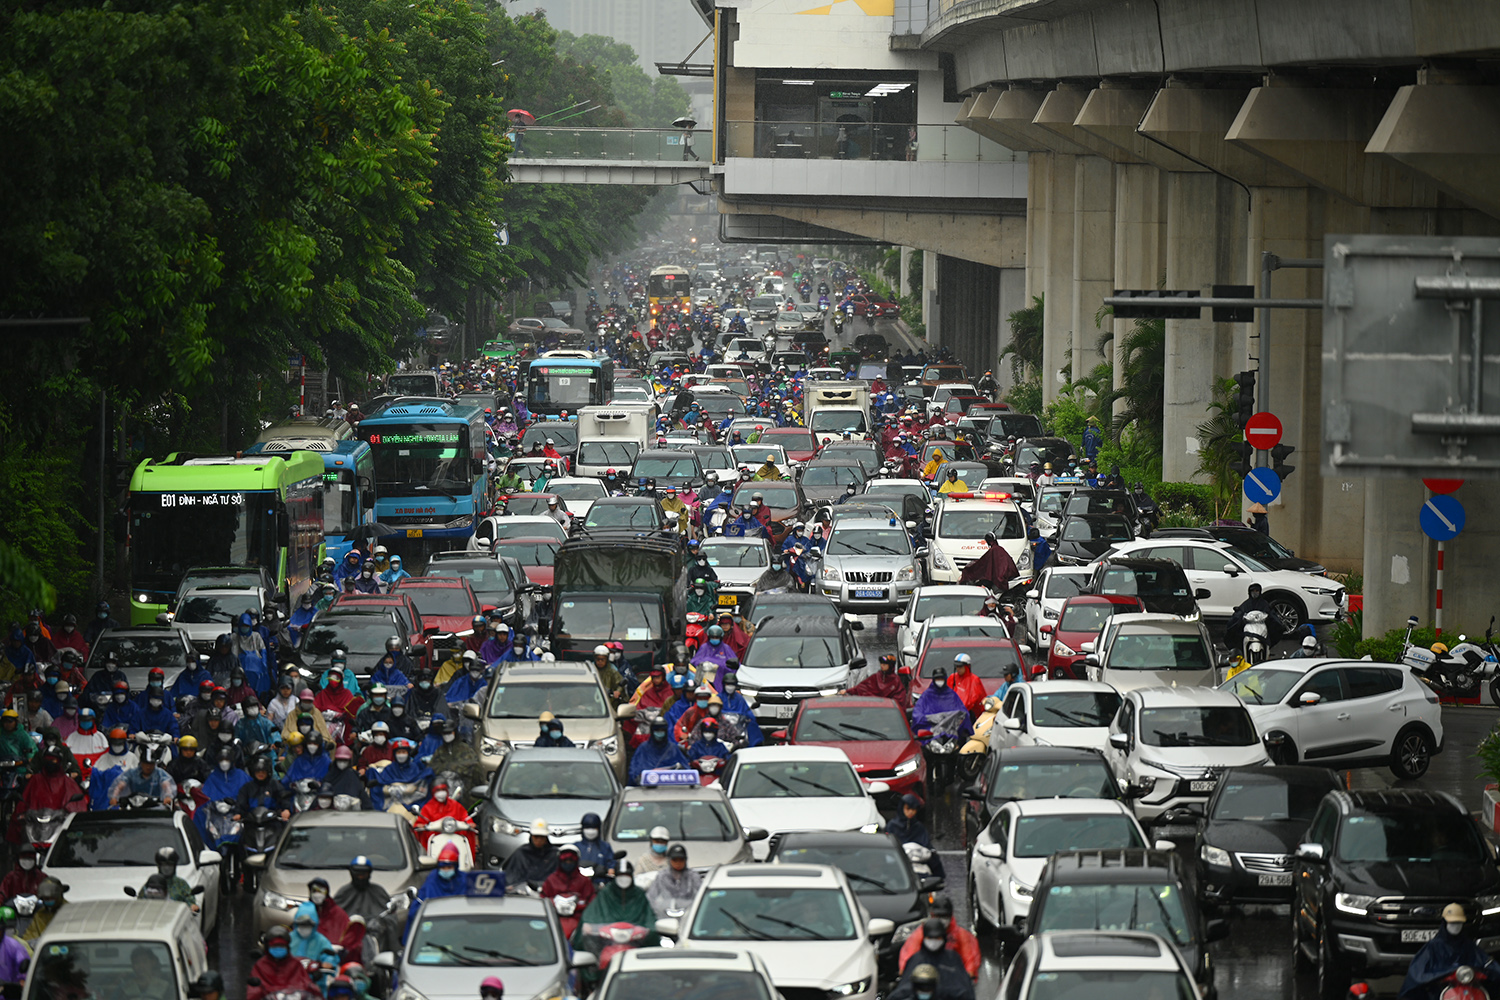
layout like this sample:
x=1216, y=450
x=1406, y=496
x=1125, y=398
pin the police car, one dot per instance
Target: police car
x=958, y=529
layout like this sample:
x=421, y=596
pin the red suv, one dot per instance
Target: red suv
x=446, y=603
x=874, y=304
x=1079, y=621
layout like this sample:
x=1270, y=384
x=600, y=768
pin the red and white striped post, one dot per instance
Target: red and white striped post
x=302, y=389
x=1437, y=617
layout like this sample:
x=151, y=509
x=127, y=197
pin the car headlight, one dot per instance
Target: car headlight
x=907, y=766
x=1025, y=561
x=460, y=522
x=828, y=692
x=849, y=989
x=1488, y=905
x=905, y=931
x=831, y=574
x=939, y=560
x=1214, y=855
x=1323, y=591
x=1019, y=890
x=610, y=745
x=407, y=993
x=1351, y=902
x=500, y=824
x=1049, y=612
x=906, y=573
x=1062, y=649
x=494, y=748
x=276, y=901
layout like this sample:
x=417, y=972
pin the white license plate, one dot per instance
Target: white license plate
x=869, y=593
x=782, y=711
x=1418, y=936
x=1200, y=786
x=1285, y=878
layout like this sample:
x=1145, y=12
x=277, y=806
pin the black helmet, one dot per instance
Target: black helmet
x=277, y=932
x=207, y=982
x=676, y=852
x=393, y=644
x=924, y=974
x=167, y=856
x=260, y=763
x=624, y=867
x=934, y=927
x=940, y=907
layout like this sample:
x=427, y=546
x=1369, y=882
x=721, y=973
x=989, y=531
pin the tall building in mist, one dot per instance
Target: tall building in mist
x=658, y=30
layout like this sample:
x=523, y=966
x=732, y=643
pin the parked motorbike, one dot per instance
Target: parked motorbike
x=1456, y=673
x=941, y=741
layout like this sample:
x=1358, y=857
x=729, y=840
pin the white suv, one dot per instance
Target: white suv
x=1098, y=963
x=958, y=530
x=1343, y=713
x=1226, y=573
x=1178, y=741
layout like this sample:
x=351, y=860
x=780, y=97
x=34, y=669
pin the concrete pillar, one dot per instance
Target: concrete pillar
x=903, y=283
x=1012, y=298
x=1205, y=245
x=1140, y=240
x=1038, y=169
x=1057, y=316
x=930, y=308
x=970, y=297
x=1093, y=255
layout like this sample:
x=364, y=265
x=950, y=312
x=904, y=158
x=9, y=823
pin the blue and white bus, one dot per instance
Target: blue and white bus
x=429, y=460
x=555, y=384
x=348, y=485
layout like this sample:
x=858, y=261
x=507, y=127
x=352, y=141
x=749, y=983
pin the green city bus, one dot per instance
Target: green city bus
x=250, y=510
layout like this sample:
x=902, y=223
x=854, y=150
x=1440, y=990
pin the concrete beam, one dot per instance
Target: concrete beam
x=976, y=115
x=1016, y=110
x=1448, y=133
x=1193, y=120
x=998, y=240
x=1320, y=134
x=1111, y=113
x=1058, y=112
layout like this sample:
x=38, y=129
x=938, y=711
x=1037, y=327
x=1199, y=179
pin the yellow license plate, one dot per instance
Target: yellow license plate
x=413, y=532
x=728, y=599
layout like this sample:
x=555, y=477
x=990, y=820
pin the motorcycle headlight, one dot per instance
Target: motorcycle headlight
x=832, y=575
x=1019, y=889
x=908, y=766
x=1214, y=855
x=906, y=573
x=1062, y=649
x=1354, y=903
x=850, y=989
x=1488, y=905
x=276, y=901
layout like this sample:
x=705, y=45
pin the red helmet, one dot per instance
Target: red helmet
x=449, y=853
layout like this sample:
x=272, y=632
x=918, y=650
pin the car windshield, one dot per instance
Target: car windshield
x=1194, y=726
x=590, y=489
x=1052, y=501
x=1096, y=502
x=526, y=553
x=126, y=841
x=759, y=454
x=1247, y=542
x=833, y=475
x=976, y=522
x=614, y=515
x=685, y=819
x=564, y=437
x=1163, y=589
x=650, y=467
x=1411, y=835
x=1090, y=617
x=204, y=609
x=567, y=701
x=1158, y=651
x=874, y=870
x=987, y=660
x=721, y=984
x=869, y=542
x=508, y=528
x=775, y=495
x=104, y=967
x=1081, y=779
x=140, y=651
x=852, y=723
x=773, y=914
x=736, y=556
x=1044, y=836
x=442, y=601
x=778, y=779
x=939, y=603
x=523, y=504
x=480, y=938
x=1097, y=529
x=1255, y=799
x=1152, y=908
x=798, y=440
x=1074, y=709
x=838, y=420
x=994, y=630
x=351, y=633
x=309, y=846
x=714, y=458
x=1262, y=685
x=785, y=651
x=1061, y=586
x=582, y=775
x=628, y=618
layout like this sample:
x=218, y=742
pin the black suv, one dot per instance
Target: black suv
x=1161, y=584
x=1128, y=889
x=1373, y=876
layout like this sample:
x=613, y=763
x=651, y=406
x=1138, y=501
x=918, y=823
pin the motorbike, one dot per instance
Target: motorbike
x=258, y=836
x=838, y=321
x=940, y=745
x=42, y=827
x=971, y=755
x=304, y=793
x=709, y=769
x=612, y=939
x=223, y=835
x=1255, y=637
x=569, y=911
x=1457, y=673
x=920, y=858
x=697, y=624
x=12, y=783
x=449, y=830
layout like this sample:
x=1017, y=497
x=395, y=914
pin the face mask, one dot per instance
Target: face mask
x=702, y=702
x=402, y=757
x=447, y=872
x=449, y=737
x=378, y=700
x=304, y=931
x=939, y=684
x=119, y=699
x=568, y=865
x=304, y=726
x=27, y=864
x=318, y=896
x=118, y=749
x=925, y=995
x=243, y=630
x=398, y=710
x=335, y=681
x=277, y=951
x=314, y=749
x=225, y=736
x=658, y=736
x=380, y=739
x=590, y=833
x=730, y=688
x=658, y=848
x=699, y=591
x=154, y=702
x=624, y=881
x=325, y=802
x=252, y=711
x=1454, y=928
x=933, y=944
x=424, y=685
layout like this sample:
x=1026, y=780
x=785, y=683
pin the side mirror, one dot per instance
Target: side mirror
x=924, y=551
x=880, y=927
x=990, y=851
x=898, y=620
x=669, y=927
x=973, y=793
x=877, y=788
x=776, y=735
x=198, y=890
x=755, y=833
x=426, y=862
x=1231, y=570
x=1023, y=647
x=386, y=960
x=1045, y=630
x=129, y=891
x=1033, y=595
x=1091, y=660
x=626, y=711
x=1309, y=698
x=1012, y=725
x=210, y=858
x=1312, y=853
x=1120, y=741
x=1089, y=647
x=471, y=710
x=1164, y=845
x=1201, y=594
x=587, y=959
x=418, y=650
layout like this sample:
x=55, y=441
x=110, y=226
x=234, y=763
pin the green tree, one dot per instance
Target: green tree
x=1215, y=435
x=645, y=102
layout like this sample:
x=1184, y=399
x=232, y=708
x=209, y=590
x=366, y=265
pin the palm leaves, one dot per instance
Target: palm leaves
x=1025, y=347
x=1215, y=435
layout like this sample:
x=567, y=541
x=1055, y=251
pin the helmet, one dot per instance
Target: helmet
x=393, y=644
x=167, y=856
x=492, y=984
x=1439, y=648
x=1454, y=913
x=676, y=852
x=926, y=974
x=360, y=863
x=448, y=855
x=601, y=650
x=963, y=660
x=1309, y=642
x=187, y=743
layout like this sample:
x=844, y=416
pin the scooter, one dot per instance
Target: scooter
x=697, y=624
x=449, y=830
x=940, y=745
x=709, y=769
x=1255, y=637
x=224, y=836
x=615, y=938
x=569, y=911
x=258, y=836
x=971, y=756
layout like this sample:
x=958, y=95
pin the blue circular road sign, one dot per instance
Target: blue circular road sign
x=1442, y=518
x=1262, y=485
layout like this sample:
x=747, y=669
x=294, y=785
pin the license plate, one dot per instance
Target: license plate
x=1285, y=878
x=869, y=593
x=1418, y=936
x=730, y=599
x=782, y=711
x=1200, y=786
x=413, y=532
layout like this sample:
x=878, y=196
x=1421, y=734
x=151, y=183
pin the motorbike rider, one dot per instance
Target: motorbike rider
x=310, y=945
x=1444, y=952
x=908, y=829
x=262, y=790
x=458, y=756
x=534, y=860
x=177, y=887
x=361, y=896
x=939, y=697
x=604, y=666
x=551, y=732
x=926, y=982
x=885, y=683
x=713, y=653
x=146, y=778
x=1308, y=648
x=675, y=885
x=278, y=970
x=934, y=949
x=706, y=743
x=567, y=880
x=25, y=877
x=656, y=753
x=343, y=779
x=702, y=599
x=1234, y=632
x=187, y=764
x=402, y=769
x=619, y=900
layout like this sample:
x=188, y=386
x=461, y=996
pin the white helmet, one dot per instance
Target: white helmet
x=1309, y=642
x=601, y=650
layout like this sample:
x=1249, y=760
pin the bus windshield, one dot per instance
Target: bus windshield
x=668, y=284
x=172, y=532
x=417, y=459
x=563, y=387
x=339, y=512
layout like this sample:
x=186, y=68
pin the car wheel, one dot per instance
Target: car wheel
x=1333, y=969
x=1300, y=961
x=1283, y=751
x=1412, y=753
x=1288, y=610
x=976, y=915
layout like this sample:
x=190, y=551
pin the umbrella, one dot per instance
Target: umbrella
x=373, y=530
x=520, y=116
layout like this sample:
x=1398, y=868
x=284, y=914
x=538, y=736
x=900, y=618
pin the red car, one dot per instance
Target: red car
x=447, y=603
x=873, y=732
x=1079, y=621
x=864, y=303
x=799, y=443
x=990, y=656
x=957, y=407
x=536, y=556
x=987, y=407
x=400, y=603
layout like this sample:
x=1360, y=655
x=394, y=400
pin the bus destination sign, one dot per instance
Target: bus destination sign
x=202, y=500
x=416, y=437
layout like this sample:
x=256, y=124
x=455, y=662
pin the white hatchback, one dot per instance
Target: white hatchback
x=784, y=788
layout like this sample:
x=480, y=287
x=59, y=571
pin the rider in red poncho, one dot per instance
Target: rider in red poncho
x=278, y=969
x=439, y=807
x=568, y=880
x=886, y=683
x=995, y=569
x=51, y=788
x=335, y=697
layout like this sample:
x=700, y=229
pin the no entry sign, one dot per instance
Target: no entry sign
x=1263, y=431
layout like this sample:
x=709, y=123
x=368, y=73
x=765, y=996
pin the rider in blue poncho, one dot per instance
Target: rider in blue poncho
x=657, y=752
x=937, y=699
x=402, y=769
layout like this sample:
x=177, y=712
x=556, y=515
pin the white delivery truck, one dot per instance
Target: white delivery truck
x=831, y=408
x=611, y=435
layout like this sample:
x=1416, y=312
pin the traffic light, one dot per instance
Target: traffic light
x=1278, y=460
x=1245, y=400
x=1242, y=449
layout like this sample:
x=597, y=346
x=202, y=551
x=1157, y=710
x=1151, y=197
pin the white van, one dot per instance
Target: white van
x=90, y=948
x=610, y=436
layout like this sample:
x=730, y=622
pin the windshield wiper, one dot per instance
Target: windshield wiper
x=867, y=880
x=491, y=953
x=1166, y=918
x=877, y=734
x=461, y=960
x=792, y=924
x=816, y=784
x=781, y=785
x=830, y=727
x=752, y=931
x=436, y=489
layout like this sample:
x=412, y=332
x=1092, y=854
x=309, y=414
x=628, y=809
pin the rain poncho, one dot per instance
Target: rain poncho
x=652, y=755
x=1439, y=957
x=935, y=701
x=410, y=773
